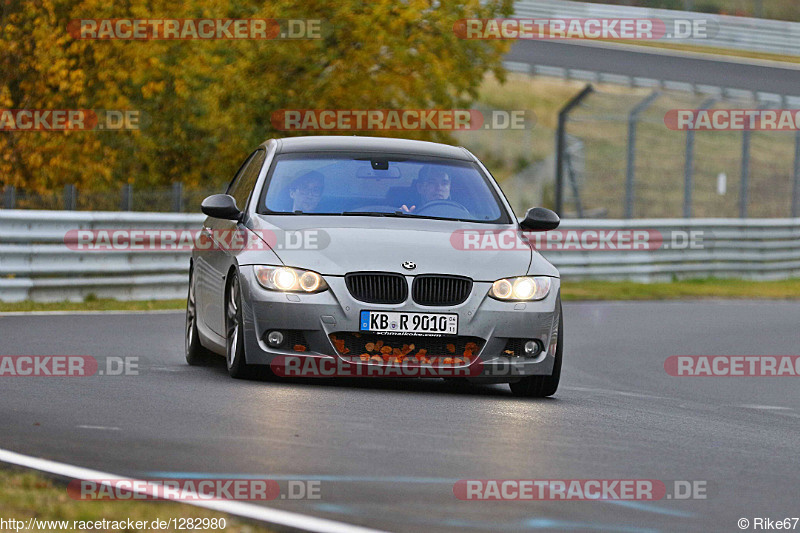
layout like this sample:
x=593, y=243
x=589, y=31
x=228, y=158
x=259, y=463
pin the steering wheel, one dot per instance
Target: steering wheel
x=443, y=203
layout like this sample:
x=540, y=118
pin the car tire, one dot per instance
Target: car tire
x=196, y=353
x=543, y=386
x=234, y=329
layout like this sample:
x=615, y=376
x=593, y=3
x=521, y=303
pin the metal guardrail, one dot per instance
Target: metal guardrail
x=759, y=249
x=739, y=33
x=36, y=264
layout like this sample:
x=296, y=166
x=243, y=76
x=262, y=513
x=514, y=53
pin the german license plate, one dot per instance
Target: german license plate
x=399, y=323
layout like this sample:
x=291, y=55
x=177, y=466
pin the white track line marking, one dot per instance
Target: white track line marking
x=108, y=428
x=766, y=407
x=245, y=510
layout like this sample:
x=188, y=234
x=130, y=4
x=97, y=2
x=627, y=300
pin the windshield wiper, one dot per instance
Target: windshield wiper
x=428, y=217
x=401, y=214
x=363, y=213
x=378, y=214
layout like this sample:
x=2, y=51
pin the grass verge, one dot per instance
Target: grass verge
x=27, y=495
x=682, y=290
x=103, y=304
x=522, y=160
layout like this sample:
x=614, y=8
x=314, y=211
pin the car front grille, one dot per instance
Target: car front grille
x=434, y=290
x=377, y=287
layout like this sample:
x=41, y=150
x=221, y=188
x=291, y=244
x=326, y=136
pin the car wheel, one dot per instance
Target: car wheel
x=196, y=353
x=542, y=386
x=237, y=366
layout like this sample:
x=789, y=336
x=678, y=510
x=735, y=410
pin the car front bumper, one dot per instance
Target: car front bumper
x=333, y=311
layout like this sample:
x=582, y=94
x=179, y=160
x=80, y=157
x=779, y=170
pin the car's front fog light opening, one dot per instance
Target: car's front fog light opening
x=275, y=338
x=533, y=348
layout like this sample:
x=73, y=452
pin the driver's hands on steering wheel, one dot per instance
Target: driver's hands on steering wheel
x=439, y=204
x=405, y=209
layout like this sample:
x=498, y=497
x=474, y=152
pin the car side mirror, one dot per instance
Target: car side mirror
x=540, y=219
x=221, y=206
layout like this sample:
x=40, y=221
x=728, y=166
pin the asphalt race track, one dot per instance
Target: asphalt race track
x=642, y=62
x=387, y=452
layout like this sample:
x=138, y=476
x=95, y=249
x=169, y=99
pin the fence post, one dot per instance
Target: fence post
x=744, y=184
x=561, y=144
x=796, y=188
x=126, y=194
x=688, y=169
x=630, y=173
x=10, y=197
x=70, y=197
x=573, y=180
x=177, y=197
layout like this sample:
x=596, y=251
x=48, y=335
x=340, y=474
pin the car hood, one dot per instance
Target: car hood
x=337, y=245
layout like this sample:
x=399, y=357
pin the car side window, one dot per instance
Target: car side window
x=242, y=185
x=239, y=173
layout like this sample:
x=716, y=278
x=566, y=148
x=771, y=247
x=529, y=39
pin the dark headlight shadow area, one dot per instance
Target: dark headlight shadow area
x=455, y=386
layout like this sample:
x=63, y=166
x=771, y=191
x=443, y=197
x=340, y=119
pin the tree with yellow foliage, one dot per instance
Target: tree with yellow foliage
x=205, y=103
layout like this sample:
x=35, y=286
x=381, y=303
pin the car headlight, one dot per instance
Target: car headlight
x=524, y=288
x=289, y=279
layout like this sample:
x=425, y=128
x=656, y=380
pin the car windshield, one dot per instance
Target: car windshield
x=380, y=185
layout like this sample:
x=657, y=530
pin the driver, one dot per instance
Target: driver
x=306, y=191
x=433, y=184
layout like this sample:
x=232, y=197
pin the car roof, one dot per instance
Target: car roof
x=351, y=143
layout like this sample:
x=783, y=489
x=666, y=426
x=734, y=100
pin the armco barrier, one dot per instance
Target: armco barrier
x=758, y=249
x=35, y=264
x=739, y=33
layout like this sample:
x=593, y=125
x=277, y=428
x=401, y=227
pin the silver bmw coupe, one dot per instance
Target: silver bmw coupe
x=361, y=256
